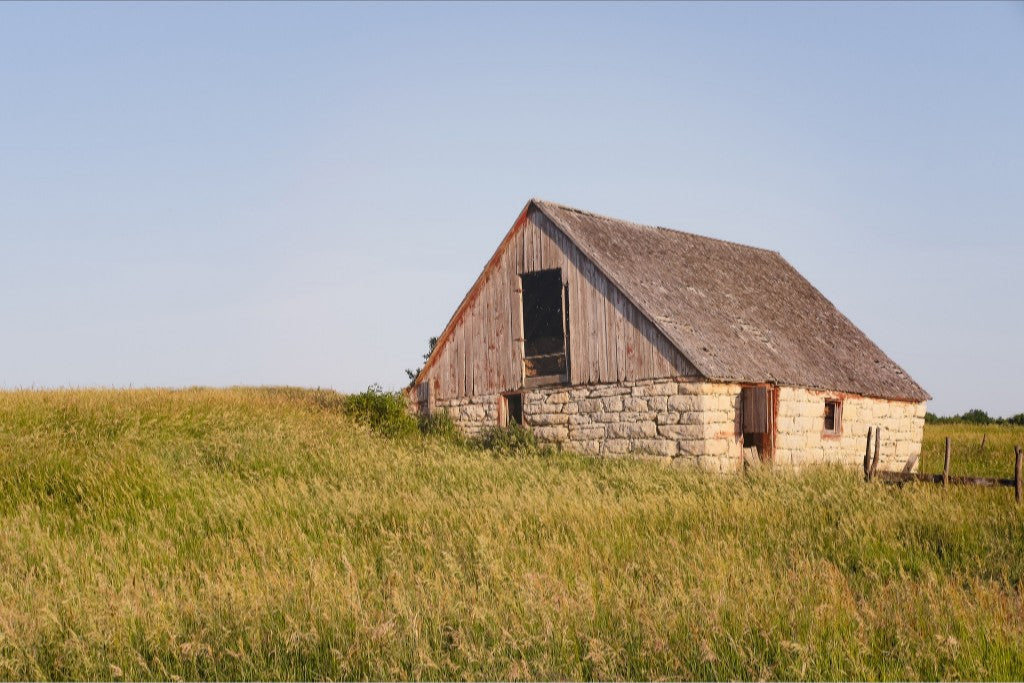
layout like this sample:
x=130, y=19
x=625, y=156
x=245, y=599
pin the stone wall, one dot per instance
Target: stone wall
x=686, y=421
x=801, y=439
x=473, y=413
x=693, y=422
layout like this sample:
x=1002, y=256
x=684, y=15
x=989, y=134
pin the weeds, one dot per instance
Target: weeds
x=441, y=426
x=382, y=411
x=513, y=440
x=258, y=534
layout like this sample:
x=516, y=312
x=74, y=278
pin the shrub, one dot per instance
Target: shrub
x=440, y=425
x=511, y=440
x=382, y=411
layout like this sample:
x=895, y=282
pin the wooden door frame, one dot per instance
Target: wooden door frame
x=768, y=439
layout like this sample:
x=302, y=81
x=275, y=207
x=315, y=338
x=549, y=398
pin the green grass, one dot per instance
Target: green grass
x=967, y=457
x=242, y=534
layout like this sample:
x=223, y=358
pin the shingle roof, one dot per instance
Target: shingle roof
x=738, y=313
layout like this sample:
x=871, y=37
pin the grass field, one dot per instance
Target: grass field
x=238, y=534
x=968, y=457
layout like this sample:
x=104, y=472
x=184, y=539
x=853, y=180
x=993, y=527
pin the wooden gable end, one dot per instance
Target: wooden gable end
x=609, y=340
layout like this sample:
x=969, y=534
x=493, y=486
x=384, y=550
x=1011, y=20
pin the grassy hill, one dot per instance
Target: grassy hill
x=238, y=534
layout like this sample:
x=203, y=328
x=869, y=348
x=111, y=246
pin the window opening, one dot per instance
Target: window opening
x=544, y=326
x=833, y=416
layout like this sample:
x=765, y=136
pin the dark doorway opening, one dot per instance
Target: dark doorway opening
x=512, y=410
x=545, y=325
x=757, y=417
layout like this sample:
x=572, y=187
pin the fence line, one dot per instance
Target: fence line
x=871, y=470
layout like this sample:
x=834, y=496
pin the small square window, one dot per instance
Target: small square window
x=833, y=416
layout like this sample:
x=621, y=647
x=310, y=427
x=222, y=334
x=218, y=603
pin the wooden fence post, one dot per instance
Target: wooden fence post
x=878, y=442
x=983, y=438
x=867, y=458
x=945, y=464
x=1016, y=472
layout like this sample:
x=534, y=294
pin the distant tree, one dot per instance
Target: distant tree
x=1017, y=419
x=431, y=343
x=932, y=418
x=976, y=416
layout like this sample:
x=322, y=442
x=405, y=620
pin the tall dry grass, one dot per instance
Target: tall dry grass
x=243, y=534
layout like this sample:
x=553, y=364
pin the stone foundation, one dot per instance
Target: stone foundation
x=693, y=422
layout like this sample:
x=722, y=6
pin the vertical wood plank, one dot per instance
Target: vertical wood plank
x=867, y=457
x=878, y=443
x=483, y=353
x=1017, y=483
x=945, y=463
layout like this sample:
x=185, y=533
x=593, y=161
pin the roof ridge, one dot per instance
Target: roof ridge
x=644, y=226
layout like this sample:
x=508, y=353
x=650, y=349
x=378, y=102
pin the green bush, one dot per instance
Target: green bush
x=511, y=440
x=382, y=411
x=441, y=426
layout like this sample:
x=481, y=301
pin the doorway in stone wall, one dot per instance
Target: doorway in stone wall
x=511, y=410
x=757, y=419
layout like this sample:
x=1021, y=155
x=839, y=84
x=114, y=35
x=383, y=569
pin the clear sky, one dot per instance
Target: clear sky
x=301, y=194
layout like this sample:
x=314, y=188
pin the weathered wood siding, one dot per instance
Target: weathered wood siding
x=609, y=339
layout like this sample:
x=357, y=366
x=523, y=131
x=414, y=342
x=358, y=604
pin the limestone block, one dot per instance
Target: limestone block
x=555, y=434
x=663, y=389
x=591, y=405
x=691, y=447
x=586, y=433
x=683, y=403
x=666, y=418
x=634, y=430
x=634, y=405
x=786, y=425
x=474, y=412
x=657, y=403
x=548, y=419
x=609, y=390
x=694, y=417
x=681, y=431
x=655, y=447
x=688, y=388
x=558, y=397
x=592, y=447
x=716, y=447
x=616, y=446
x=612, y=404
x=717, y=418
x=725, y=402
x=641, y=389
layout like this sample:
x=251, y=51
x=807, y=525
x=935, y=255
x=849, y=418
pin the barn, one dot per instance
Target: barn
x=608, y=337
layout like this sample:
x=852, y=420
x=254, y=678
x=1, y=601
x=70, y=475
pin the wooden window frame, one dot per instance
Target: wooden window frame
x=837, y=422
x=545, y=380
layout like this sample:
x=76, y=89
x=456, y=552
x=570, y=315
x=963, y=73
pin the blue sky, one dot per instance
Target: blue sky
x=301, y=194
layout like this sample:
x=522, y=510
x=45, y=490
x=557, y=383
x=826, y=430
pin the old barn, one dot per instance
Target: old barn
x=608, y=337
